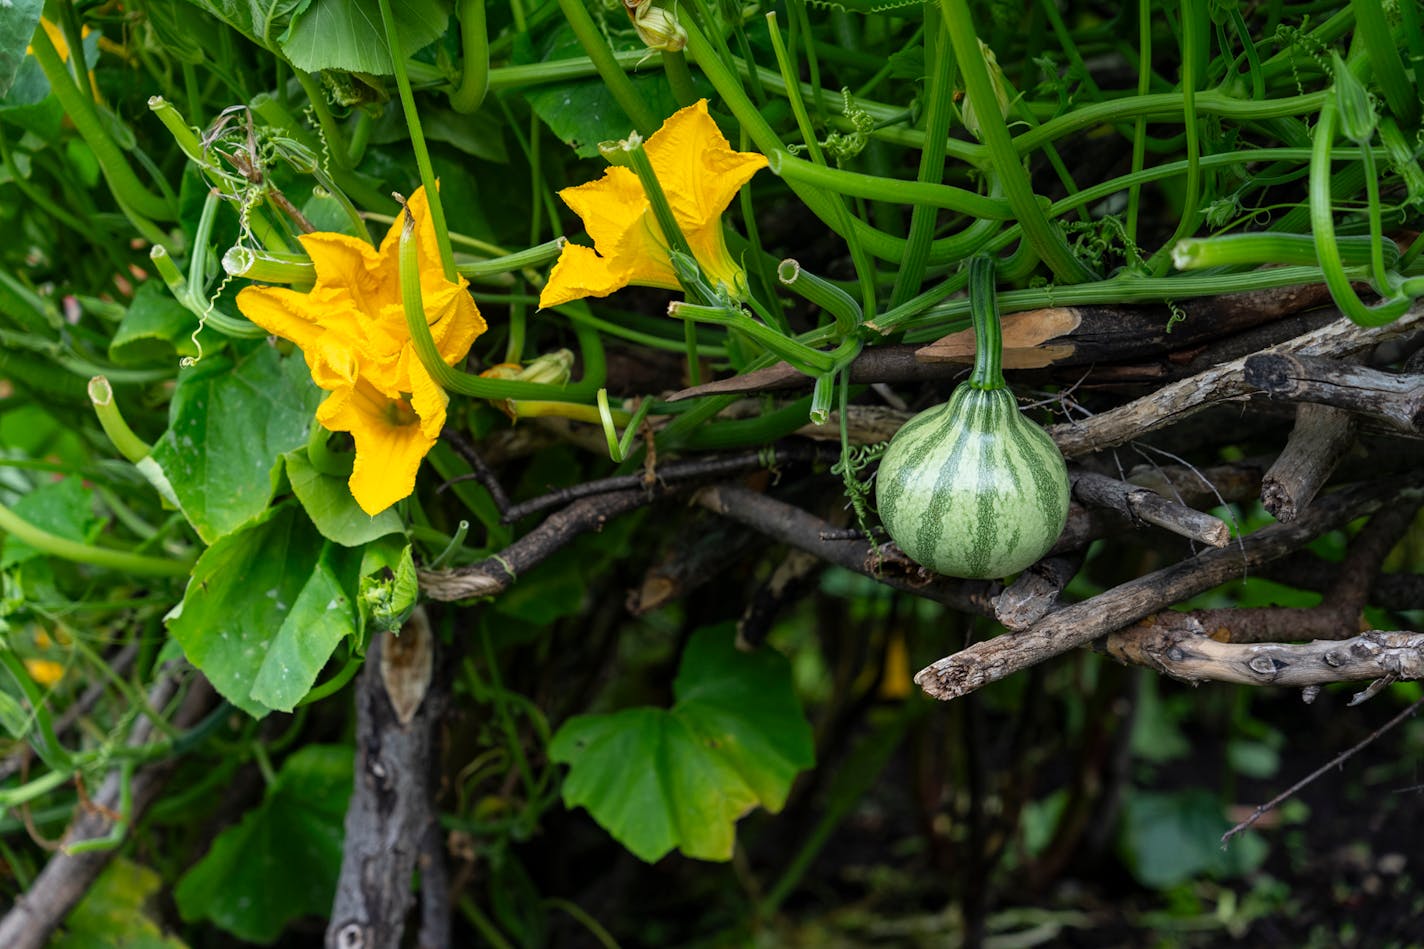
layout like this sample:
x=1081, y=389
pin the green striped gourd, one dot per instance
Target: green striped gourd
x=972, y=488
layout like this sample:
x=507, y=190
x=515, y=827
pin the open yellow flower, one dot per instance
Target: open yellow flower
x=351, y=328
x=700, y=174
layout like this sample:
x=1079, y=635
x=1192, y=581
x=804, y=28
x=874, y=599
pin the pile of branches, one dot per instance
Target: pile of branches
x=1234, y=367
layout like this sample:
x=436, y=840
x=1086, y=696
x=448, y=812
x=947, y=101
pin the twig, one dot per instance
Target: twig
x=693, y=469
x=1335, y=762
x=1139, y=504
x=1178, y=400
x=482, y=471
x=800, y=529
x=68, y=875
x=1081, y=623
x=1321, y=437
x=1390, y=397
x=495, y=574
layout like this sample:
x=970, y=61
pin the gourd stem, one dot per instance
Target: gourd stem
x=988, y=338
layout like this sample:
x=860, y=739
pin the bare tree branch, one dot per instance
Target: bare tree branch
x=1321, y=437
x=1390, y=397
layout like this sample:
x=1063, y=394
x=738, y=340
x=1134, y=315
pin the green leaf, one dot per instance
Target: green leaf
x=265, y=609
x=1167, y=839
x=13, y=717
x=228, y=426
x=261, y=22
x=331, y=507
x=583, y=112
x=64, y=508
x=18, y=21
x=657, y=779
x=112, y=913
x=349, y=35
x=156, y=327
x=282, y=860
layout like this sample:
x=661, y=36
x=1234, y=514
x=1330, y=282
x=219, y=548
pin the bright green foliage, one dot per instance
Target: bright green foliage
x=388, y=583
x=265, y=609
x=218, y=461
x=112, y=913
x=281, y=861
x=347, y=34
x=681, y=777
x=18, y=19
x=328, y=502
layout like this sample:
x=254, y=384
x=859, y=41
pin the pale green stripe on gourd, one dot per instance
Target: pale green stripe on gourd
x=972, y=488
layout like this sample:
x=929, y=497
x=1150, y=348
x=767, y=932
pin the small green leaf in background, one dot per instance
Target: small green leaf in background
x=156, y=327
x=331, y=507
x=112, y=913
x=64, y=508
x=349, y=35
x=282, y=860
x=1166, y=839
x=265, y=609
x=657, y=779
x=18, y=21
x=228, y=425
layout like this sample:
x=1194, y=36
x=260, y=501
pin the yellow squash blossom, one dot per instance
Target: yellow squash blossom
x=700, y=174
x=351, y=328
x=45, y=672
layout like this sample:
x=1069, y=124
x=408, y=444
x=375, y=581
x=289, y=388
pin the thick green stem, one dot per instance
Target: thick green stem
x=988, y=336
x=417, y=140
x=469, y=94
x=66, y=549
x=629, y=99
x=81, y=111
x=1018, y=188
x=112, y=421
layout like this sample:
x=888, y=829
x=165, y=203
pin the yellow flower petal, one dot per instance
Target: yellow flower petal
x=391, y=439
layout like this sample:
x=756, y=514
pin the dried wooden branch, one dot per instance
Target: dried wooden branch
x=495, y=574
x=1390, y=397
x=67, y=877
x=1141, y=505
x=791, y=525
x=1081, y=623
x=1178, y=400
x=697, y=556
x=1178, y=645
x=399, y=701
x=1321, y=437
x=1035, y=591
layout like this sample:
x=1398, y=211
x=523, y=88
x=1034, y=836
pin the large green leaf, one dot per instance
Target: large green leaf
x=262, y=22
x=349, y=35
x=18, y=20
x=282, y=860
x=265, y=609
x=228, y=426
x=112, y=913
x=657, y=779
x=331, y=507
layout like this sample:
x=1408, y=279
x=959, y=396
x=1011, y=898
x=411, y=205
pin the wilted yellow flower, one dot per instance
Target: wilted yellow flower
x=45, y=672
x=700, y=174
x=351, y=328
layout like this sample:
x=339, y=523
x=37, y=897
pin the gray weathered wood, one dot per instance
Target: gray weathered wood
x=1394, y=398
x=1321, y=437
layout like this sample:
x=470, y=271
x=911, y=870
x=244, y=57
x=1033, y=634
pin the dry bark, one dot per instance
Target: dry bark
x=1321, y=438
